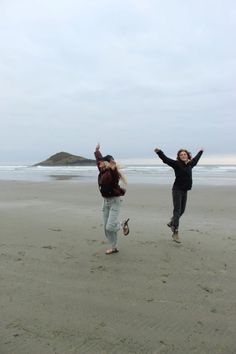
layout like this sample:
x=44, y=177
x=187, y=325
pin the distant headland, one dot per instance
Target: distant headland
x=66, y=159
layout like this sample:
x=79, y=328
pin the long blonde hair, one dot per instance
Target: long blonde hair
x=122, y=176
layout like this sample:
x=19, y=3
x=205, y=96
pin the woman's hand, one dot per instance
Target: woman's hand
x=157, y=150
x=98, y=147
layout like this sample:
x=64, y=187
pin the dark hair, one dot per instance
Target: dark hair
x=107, y=158
x=187, y=152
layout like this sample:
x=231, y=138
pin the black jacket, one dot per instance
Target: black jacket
x=183, y=171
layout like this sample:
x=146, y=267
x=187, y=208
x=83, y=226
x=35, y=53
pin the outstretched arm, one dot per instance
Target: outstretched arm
x=196, y=158
x=164, y=158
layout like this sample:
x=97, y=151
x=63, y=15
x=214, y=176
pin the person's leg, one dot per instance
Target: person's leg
x=176, y=197
x=111, y=212
x=105, y=211
x=183, y=202
x=113, y=224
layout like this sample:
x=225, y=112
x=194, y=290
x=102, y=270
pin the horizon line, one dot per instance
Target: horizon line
x=229, y=159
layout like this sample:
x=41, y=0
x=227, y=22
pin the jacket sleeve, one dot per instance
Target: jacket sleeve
x=196, y=158
x=98, y=156
x=166, y=159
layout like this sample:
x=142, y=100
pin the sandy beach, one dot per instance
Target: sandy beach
x=60, y=294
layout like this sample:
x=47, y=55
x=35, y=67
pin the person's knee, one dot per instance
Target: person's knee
x=110, y=227
x=177, y=214
x=113, y=227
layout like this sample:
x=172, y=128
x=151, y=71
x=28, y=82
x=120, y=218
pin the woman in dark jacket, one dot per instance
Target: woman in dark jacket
x=182, y=166
x=108, y=183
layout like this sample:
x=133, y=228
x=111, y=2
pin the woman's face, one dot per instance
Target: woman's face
x=183, y=156
x=102, y=164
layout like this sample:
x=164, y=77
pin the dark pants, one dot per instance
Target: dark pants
x=179, y=202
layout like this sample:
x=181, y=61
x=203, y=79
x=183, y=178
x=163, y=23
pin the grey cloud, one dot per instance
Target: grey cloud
x=147, y=70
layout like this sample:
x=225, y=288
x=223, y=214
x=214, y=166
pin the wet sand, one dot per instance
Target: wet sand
x=60, y=294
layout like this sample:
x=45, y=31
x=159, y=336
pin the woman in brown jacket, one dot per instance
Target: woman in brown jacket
x=108, y=183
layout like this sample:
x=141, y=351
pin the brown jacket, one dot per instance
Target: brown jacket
x=108, y=180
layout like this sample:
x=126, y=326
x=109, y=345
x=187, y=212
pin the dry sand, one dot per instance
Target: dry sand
x=60, y=294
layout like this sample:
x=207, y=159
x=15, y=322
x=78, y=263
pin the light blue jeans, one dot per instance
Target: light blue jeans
x=111, y=212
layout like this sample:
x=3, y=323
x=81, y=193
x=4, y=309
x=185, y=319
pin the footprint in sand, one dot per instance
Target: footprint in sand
x=49, y=247
x=99, y=268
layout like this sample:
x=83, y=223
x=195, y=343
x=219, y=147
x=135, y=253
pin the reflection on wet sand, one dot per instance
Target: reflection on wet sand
x=64, y=177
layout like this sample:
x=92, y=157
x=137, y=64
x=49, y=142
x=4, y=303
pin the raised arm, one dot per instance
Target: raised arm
x=196, y=158
x=97, y=153
x=164, y=158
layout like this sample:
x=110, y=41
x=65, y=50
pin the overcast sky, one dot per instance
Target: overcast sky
x=131, y=74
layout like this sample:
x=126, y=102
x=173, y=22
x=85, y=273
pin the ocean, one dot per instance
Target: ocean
x=221, y=175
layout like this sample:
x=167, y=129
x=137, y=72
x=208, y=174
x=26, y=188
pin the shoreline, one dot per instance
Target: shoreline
x=167, y=182
x=61, y=294
x=156, y=175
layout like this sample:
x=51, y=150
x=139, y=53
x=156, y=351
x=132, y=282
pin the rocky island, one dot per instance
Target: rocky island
x=66, y=159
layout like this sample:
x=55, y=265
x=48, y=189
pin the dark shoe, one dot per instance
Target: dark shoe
x=171, y=226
